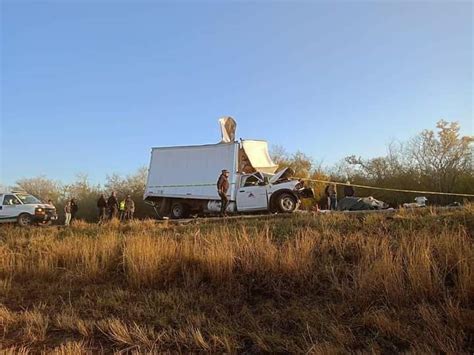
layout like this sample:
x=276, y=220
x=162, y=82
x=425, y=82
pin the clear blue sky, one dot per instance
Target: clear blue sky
x=90, y=86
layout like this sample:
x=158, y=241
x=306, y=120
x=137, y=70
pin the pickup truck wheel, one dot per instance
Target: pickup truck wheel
x=287, y=203
x=178, y=210
x=24, y=220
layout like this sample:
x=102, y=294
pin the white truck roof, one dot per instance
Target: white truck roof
x=8, y=192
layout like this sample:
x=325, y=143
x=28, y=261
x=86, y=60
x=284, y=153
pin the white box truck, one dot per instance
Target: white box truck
x=183, y=180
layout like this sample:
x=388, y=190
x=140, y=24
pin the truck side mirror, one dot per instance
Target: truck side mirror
x=265, y=180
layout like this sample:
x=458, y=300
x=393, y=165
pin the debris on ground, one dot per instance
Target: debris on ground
x=360, y=204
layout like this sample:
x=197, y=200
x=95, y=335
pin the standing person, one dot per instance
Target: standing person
x=122, y=210
x=50, y=202
x=222, y=187
x=67, y=213
x=331, y=194
x=328, y=198
x=348, y=190
x=74, y=209
x=129, y=208
x=112, y=204
x=102, y=206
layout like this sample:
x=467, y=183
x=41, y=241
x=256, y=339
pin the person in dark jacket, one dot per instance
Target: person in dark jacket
x=102, y=206
x=74, y=209
x=112, y=204
x=348, y=190
x=331, y=195
x=222, y=187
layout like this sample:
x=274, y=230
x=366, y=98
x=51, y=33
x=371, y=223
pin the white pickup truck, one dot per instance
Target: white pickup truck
x=183, y=180
x=24, y=209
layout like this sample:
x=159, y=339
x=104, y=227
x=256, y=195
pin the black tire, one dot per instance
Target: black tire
x=178, y=210
x=286, y=203
x=24, y=220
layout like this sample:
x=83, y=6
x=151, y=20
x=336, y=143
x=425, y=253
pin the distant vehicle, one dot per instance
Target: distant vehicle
x=182, y=180
x=24, y=209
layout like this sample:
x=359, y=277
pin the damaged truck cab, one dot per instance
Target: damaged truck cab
x=182, y=180
x=277, y=193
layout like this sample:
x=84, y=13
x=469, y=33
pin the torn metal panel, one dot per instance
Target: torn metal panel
x=258, y=156
x=228, y=127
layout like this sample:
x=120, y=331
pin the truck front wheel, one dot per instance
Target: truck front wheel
x=178, y=210
x=24, y=220
x=287, y=203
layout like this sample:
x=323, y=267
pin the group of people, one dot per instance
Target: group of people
x=331, y=194
x=111, y=208
x=108, y=208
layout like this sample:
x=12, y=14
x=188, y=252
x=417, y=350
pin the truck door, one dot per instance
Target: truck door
x=252, y=194
x=9, y=208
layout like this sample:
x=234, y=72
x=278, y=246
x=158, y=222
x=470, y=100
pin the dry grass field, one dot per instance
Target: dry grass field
x=304, y=284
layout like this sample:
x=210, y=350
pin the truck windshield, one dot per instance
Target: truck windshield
x=254, y=180
x=28, y=199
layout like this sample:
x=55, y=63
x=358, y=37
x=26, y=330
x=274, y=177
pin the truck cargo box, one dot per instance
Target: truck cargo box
x=191, y=171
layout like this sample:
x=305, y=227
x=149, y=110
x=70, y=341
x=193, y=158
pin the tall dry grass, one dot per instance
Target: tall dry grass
x=319, y=284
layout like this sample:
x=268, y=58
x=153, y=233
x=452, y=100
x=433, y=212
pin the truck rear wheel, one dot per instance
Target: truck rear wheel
x=178, y=210
x=287, y=203
x=24, y=220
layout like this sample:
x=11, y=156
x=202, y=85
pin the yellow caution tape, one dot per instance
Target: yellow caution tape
x=389, y=189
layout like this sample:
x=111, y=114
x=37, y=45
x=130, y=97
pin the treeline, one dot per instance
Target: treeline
x=87, y=194
x=434, y=160
x=439, y=160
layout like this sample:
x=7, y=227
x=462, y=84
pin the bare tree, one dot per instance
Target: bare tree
x=42, y=187
x=443, y=156
x=133, y=184
x=279, y=155
x=299, y=162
